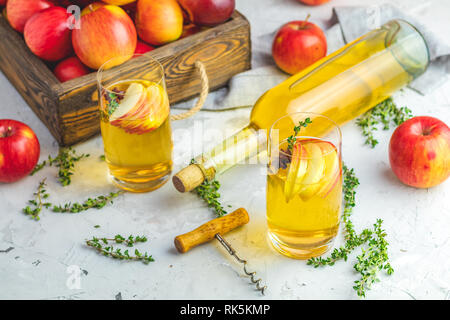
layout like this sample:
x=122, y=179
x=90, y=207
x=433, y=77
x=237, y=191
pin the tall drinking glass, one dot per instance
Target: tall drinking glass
x=304, y=186
x=135, y=124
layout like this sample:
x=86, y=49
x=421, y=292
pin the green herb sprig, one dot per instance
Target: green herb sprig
x=38, y=203
x=97, y=203
x=35, y=205
x=209, y=192
x=102, y=245
x=65, y=161
x=385, y=113
x=372, y=260
x=292, y=139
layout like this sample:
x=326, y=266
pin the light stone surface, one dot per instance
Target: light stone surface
x=39, y=264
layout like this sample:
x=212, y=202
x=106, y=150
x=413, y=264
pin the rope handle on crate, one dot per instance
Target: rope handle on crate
x=200, y=67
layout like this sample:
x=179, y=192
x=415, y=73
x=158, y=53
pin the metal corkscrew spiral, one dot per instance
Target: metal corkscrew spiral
x=214, y=229
x=232, y=252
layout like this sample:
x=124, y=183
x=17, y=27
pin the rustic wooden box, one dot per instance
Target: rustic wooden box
x=70, y=109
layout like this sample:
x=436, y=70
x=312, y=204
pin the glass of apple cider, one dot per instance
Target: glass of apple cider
x=135, y=123
x=304, y=186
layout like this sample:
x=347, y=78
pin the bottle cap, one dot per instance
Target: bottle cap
x=188, y=178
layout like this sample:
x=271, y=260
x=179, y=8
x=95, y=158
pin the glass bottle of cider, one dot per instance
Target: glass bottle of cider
x=341, y=86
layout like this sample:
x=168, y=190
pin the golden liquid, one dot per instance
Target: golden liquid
x=137, y=162
x=340, y=86
x=302, y=228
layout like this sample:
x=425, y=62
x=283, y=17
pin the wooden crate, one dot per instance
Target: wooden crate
x=70, y=109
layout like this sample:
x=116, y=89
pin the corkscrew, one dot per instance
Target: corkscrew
x=214, y=229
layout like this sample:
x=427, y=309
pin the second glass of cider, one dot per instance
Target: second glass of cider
x=304, y=185
x=135, y=124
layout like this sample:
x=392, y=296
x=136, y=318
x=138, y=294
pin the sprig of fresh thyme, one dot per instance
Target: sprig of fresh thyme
x=209, y=192
x=102, y=245
x=384, y=113
x=35, y=205
x=65, y=161
x=97, y=203
x=292, y=139
x=370, y=261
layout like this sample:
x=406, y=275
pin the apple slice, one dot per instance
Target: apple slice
x=315, y=172
x=134, y=98
x=296, y=172
x=142, y=109
x=332, y=168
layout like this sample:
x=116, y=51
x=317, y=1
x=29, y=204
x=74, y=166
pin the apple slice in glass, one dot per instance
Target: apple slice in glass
x=316, y=167
x=332, y=168
x=296, y=172
x=142, y=109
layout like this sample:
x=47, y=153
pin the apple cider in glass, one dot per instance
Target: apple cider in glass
x=304, y=192
x=136, y=132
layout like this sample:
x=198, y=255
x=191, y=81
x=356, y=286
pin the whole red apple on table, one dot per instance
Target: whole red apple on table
x=159, y=22
x=297, y=45
x=19, y=150
x=47, y=34
x=106, y=32
x=207, y=12
x=19, y=11
x=419, y=152
x=70, y=68
x=314, y=2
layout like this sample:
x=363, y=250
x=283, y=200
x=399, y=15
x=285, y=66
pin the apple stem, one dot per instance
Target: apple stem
x=306, y=20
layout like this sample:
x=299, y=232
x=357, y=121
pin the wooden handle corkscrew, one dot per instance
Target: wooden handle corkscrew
x=207, y=231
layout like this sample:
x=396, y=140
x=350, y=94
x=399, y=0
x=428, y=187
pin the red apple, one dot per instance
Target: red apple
x=106, y=32
x=69, y=69
x=19, y=150
x=159, y=22
x=19, y=11
x=62, y=3
x=297, y=45
x=47, y=34
x=207, y=12
x=419, y=152
x=118, y=2
x=2, y=2
x=142, y=48
x=314, y=2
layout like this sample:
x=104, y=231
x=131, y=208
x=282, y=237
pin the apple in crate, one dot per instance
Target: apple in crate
x=119, y=2
x=70, y=68
x=297, y=45
x=207, y=12
x=47, y=34
x=142, y=48
x=19, y=11
x=159, y=22
x=106, y=32
x=419, y=152
x=142, y=109
x=19, y=150
x=314, y=2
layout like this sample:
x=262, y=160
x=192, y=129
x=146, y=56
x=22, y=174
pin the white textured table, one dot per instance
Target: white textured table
x=35, y=257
